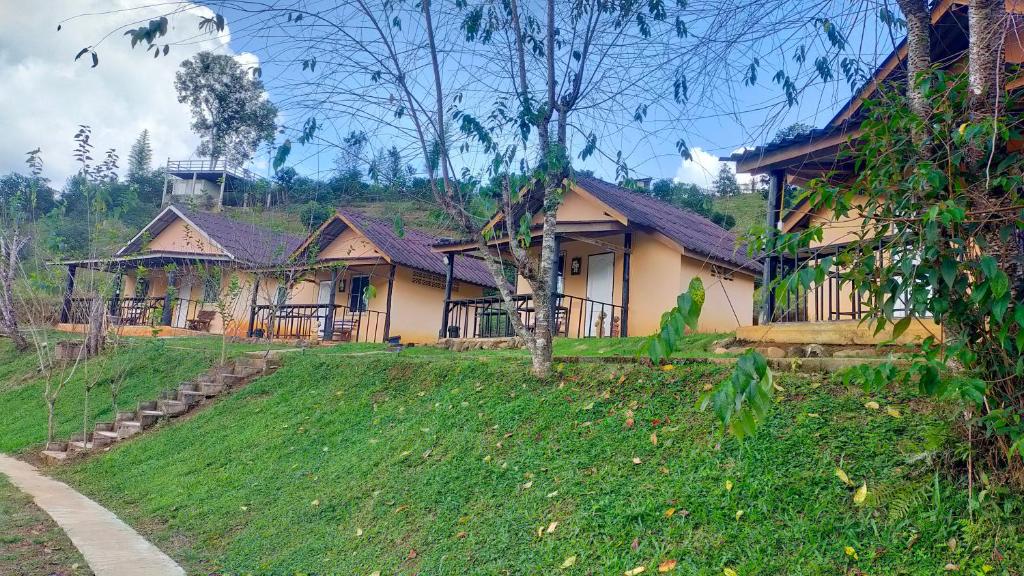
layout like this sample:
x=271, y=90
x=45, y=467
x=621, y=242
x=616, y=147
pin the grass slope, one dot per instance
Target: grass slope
x=142, y=366
x=747, y=209
x=31, y=543
x=431, y=464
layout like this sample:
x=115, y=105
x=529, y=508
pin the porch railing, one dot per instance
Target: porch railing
x=834, y=299
x=313, y=321
x=574, y=317
x=147, y=311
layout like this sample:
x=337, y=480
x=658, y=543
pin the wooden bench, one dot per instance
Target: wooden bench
x=202, y=321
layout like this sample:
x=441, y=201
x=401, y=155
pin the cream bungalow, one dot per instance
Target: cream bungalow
x=624, y=257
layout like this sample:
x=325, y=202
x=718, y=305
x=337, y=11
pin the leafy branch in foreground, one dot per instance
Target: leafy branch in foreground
x=741, y=402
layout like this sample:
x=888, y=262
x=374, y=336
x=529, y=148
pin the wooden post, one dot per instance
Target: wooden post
x=627, y=244
x=776, y=192
x=69, y=289
x=115, y=298
x=329, y=316
x=448, y=278
x=252, y=304
x=391, y=288
x=165, y=318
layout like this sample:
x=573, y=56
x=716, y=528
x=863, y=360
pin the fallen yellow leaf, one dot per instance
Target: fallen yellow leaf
x=728, y=485
x=893, y=412
x=729, y=572
x=872, y=405
x=952, y=567
x=551, y=527
x=670, y=512
x=528, y=485
x=654, y=438
x=739, y=514
x=667, y=566
x=569, y=562
x=861, y=494
x=315, y=502
x=668, y=367
x=635, y=571
x=359, y=531
x=851, y=552
x=842, y=476
x=636, y=460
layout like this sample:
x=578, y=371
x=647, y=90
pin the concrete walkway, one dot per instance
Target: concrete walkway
x=110, y=547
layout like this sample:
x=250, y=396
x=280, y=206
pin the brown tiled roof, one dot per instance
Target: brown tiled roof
x=244, y=242
x=413, y=249
x=691, y=231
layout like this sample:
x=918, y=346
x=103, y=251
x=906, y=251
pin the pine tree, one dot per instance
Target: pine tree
x=140, y=159
x=725, y=183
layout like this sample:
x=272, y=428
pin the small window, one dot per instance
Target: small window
x=356, y=294
x=211, y=289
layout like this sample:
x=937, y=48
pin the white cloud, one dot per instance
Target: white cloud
x=46, y=94
x=702, y=168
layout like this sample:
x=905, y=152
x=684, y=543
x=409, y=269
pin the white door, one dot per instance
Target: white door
x=184, y=295
x=600, y=282
x=323, y=297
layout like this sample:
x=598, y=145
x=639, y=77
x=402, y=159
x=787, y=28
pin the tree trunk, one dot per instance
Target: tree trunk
x=11, y=244
x=918, y=52
x=985, y=55
x=543, y=332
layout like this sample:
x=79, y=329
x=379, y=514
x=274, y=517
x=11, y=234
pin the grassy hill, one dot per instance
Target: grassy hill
x=747, y=209
x=436, y=463
x=140, y=369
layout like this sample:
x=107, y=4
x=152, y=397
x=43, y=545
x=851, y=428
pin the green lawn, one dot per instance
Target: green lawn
x=438, y=464
x=31, y=544
x=141, y=366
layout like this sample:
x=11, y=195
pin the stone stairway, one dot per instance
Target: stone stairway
x=171, y=404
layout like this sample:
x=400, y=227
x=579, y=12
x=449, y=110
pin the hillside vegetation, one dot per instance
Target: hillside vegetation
x=435, y=463
x=747, y=209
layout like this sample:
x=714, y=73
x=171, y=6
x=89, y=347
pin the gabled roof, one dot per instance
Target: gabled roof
x=691, y=231
x=240, y=241
x=412, y=249
x=949, y=39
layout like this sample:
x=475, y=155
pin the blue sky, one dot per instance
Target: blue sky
x=130, y=91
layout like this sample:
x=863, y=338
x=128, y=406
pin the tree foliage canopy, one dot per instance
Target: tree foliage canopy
x=230, y=109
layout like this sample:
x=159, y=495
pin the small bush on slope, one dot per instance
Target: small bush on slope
x=440, y=466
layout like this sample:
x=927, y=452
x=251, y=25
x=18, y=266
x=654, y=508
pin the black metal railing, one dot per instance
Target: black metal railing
x=575, y=317
x=318, y=321
x=209, y=165
x=139, y=311
x=146, y=311
x=836, y=298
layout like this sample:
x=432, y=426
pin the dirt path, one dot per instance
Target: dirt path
x=109, y=546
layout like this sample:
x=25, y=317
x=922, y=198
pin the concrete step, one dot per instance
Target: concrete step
x=172, y=407
x=150, y=417
x=150, y=405
x=107, y=426
x=232, y=379
x=122, y=416
x=56, y=446
x=191, y=397
x=79, y=446
x=102, y=438
x=127, y=429
x=212, y=388
x=54, y=457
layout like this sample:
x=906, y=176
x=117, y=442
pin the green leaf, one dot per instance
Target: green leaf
x=949, y=271
x=900, y=327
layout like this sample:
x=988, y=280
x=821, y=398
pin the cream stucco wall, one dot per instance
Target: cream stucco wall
x=178, y=236
x=350, y=244
x=659, y=271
